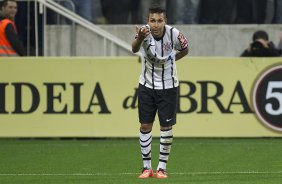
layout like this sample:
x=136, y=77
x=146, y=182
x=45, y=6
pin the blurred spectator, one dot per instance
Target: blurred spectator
x=134, y=14
x=91, y=10
x=84, y=9
x=146, y=4
x=278, y=12
x=25, y=21
x=121, y=11
x=97, y=14
x=106, y=10
x=10, y=44
x=186, y=11
x=251, y=11
x=261, y=46
x=217, y=11
x=270, y=10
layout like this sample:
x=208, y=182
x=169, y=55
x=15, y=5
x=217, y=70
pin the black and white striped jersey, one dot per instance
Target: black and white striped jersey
x=158, y=59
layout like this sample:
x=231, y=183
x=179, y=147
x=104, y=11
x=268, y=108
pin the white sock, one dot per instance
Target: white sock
x=165, y=146
x=145, y=144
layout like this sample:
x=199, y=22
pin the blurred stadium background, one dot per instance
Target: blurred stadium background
x=64, y=27
x=69, y=115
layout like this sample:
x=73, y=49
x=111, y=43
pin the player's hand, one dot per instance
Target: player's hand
x=142, y=32
x=263, y=42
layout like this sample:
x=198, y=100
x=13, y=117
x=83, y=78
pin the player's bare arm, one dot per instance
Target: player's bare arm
x=142, y=33
x=181, y=54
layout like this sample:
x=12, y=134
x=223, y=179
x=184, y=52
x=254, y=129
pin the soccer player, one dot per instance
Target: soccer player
x=160, y=45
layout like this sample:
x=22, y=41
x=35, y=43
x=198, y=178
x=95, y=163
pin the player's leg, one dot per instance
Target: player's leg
x=165, y=147
x=147, y=111
x=145, y=140
x=167, y=115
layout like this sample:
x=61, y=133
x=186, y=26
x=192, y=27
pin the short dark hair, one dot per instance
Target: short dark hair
x=156, y=9
x=260, y=35
x=5, y=2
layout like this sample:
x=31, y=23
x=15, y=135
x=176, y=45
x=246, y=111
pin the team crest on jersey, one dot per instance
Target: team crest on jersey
x=167, y=46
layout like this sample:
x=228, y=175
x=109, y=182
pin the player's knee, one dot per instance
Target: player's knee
x=146, y=127
x=166, y=128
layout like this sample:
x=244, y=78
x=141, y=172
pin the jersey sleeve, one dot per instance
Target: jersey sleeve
x=180, y=40
x=14, y=40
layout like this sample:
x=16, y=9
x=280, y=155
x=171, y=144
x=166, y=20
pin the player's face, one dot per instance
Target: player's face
x=10, y=10
x=157, y=22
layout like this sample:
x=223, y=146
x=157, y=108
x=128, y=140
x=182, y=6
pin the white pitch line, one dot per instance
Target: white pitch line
x=118, y=174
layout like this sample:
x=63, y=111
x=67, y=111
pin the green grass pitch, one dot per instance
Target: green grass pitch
x=99, y=161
